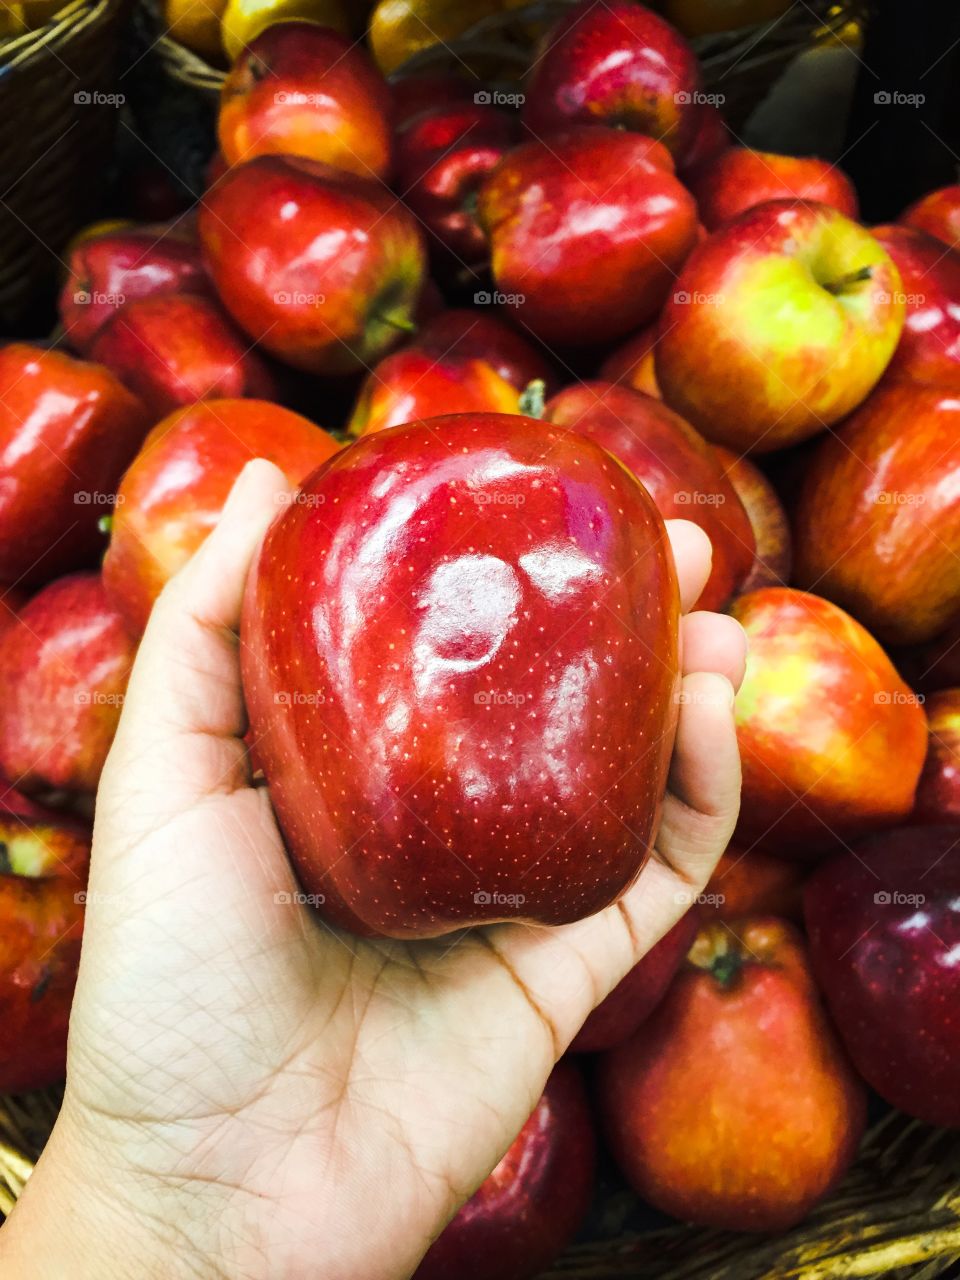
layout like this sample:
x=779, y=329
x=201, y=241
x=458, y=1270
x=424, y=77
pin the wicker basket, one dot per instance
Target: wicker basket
x=59, y=113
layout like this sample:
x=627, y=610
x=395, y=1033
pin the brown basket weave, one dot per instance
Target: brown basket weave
x=53, y=147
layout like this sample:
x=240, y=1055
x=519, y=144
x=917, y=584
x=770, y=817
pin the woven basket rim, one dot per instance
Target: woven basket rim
x=66, y=22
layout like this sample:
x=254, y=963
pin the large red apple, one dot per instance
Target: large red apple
x=938, y=214
x=778, y=325
x=884, y=926
x=832, y=740
x=462, y=634
x=616, y=64
x=938, y=792
x=738, y=178
x=530, y=1207
x=676, y=466
x=929, y=347
x=633, y=1000
x=108, y=271
x=877, y=526
x=301, y=89
x=323, y=269
x=63, y=668
x=67, y=431
x=734, y=1106
x=174, y=349
x=173, y=494
x=768, y=519
x=587, y=231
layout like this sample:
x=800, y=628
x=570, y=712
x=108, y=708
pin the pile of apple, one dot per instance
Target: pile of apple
x=459, y=639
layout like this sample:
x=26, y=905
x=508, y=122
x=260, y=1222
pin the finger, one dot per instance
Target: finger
x=693, y=556
x=714, y=642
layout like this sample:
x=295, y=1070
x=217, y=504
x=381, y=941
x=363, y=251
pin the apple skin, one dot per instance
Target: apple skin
x=305, y=90
x=615, y=64
x=676, y=466
x=530, y=1207
x=64, y=667
x=484, y=336
x=12, y=601
x=753, y=350
x=443, y=158
x=735, y=1106
x=938, y=214
x=831, y=739
x=884, y=928
x=174, y=349
x=412, y=95
x=929, y=347
x=711, y=137
x=598, y=277
x=632, y=1001
x=632, y=363
x=478, y=546
x=322, y=268
x=174, y=492
x=749, y=882
x=738, y=179
x=768, y=519
x=877, y=525
x=412, y=384
x=111, y=270
x=938, y=792
x=68, y=429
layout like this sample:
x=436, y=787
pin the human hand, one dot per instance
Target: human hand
x=251, y=1093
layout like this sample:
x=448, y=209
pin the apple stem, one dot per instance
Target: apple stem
x=843, y=283
x=532, y=399
x=401, y=322
x=725, y=967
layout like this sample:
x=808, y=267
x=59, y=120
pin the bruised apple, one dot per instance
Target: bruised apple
x=831, y=739
x=444, y=677
x=735, y=1106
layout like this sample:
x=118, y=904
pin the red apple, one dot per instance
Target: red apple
x=107, y=272
x=738, y=179
x=64, y=668
x=173, y=494
x=413, y=384
x=771, y=527
x=676, y=466
x=12, y=601
x=632, y=363
x=735, y=1106
x=877, y=527
x=831, y=739
x=174, y=349
x=528, y=1210
x=929, y=347
x=749, y=882
x=300, y=89
x=322, y=268
x=438, y=691
x=710, y=138
x=617, y=64
x=587, y=232
x=633, y=1000
x=778, y=325
x=938, y=792
x=484, y=336
x=67, y=431
x=884, y=925
x=938, y=214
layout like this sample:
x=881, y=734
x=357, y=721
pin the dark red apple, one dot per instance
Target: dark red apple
x=735, y=1106
x=301, y=89
x=323, y=269
x=587, y=232
x=675, y=464
x=173, y=494
x=174, y=349
x=107, y=272
x=633, y=1000
x=877, y=526
x=771, y=526
x=738, y=178
x=710, y=138
x=938, y=791
x=425, y=91
x=437, y=710
x=616, y=64
x=929, y=347
x=67, y=431
x=938, y=214
x=63, y=668
x=528, y=1210
x=831, y=739
x=884, y=926
x=485, y=336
